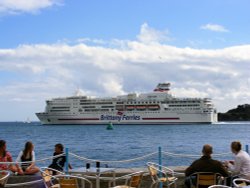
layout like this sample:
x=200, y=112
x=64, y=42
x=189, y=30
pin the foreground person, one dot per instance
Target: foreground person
x=28, y=156
x=59, y=162
x=240, y=167
x=204, y=164
x=5, y=156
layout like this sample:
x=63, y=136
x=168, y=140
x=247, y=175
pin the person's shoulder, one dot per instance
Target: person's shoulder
x=244, y=156
x=244, y=152
x=8, y=154
x=216, y=161
x=241, y=153
x=20, y=153
x=196, y=161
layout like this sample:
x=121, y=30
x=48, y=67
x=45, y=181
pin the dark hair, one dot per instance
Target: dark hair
x=207, y=150
x=27, y=149
x=236, y=146
x=60, y=146
x=2, y=144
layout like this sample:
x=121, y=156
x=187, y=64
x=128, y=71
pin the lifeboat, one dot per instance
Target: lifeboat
x=141, y=107
x=131, y=107
x=120, y=107
x=153, y=107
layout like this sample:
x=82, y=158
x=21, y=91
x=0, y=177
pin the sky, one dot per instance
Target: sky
x=52, y=48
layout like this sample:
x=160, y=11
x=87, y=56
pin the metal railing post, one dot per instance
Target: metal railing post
x=67, y=160
x=160, y=163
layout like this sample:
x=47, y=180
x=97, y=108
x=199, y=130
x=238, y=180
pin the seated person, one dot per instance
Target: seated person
x=5, y=156
x=240, y=167
x=27, y=156
x=204, y=164
x=58, y=162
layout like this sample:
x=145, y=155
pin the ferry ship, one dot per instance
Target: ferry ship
x=157, y=107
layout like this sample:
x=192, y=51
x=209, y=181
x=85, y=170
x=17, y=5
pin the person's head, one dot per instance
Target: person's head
x=59, y=148
x=3, y=147
x=207, y=150
x=235, y=146
x=28, y=148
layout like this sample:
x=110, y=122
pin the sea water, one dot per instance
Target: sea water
x=125, y=145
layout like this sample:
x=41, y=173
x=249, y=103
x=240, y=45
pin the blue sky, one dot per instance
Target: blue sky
x=107, y=20
x=50, y=48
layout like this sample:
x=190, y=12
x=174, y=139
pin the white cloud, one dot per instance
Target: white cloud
x=30, y=74
x=30, y=6
x=151, y=35
x=111, y=83
x=214, y=27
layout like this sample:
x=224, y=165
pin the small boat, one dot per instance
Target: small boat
x=27, y=121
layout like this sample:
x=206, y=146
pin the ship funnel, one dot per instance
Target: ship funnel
x=162, y=87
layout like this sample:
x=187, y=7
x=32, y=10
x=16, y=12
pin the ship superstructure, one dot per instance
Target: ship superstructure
x=157, y=107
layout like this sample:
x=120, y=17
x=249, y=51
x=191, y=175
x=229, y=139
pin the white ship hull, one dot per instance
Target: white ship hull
x=135, y=118
x=158, y=107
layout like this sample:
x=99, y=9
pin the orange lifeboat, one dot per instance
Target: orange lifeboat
x=141, y=107
x=153, y=107
x=130, y=107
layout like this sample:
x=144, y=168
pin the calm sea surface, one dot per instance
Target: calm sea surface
x=125, y=142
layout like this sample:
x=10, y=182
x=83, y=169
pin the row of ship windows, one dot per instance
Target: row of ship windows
x=182, y=109
x=112, y=107
x=60, y=110
x=135, y=103
x=176, y=105
x=107, y=110
x=132, y=102
x=94, y=103
x=184, y=105
x=60, y=107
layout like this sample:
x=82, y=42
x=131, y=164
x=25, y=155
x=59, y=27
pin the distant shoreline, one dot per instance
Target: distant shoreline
x=241, y=113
